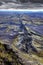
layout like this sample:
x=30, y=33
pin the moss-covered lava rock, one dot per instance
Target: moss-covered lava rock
x=8, y=56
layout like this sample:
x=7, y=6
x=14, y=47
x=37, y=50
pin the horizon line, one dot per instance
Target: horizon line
x=21, y=10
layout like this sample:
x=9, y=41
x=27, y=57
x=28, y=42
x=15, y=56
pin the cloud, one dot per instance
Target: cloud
x=15, y=5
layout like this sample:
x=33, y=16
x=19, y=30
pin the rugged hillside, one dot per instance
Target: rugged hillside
x=8, y=56
x=21, y=38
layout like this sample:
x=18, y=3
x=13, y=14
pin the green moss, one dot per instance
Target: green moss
x=8, y=57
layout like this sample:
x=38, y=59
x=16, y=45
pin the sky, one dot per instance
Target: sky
x=8, y=4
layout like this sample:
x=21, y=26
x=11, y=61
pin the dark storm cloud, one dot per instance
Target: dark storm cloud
x=20, y=4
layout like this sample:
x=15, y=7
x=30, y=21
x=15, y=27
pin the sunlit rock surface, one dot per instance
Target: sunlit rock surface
x=23, y=33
